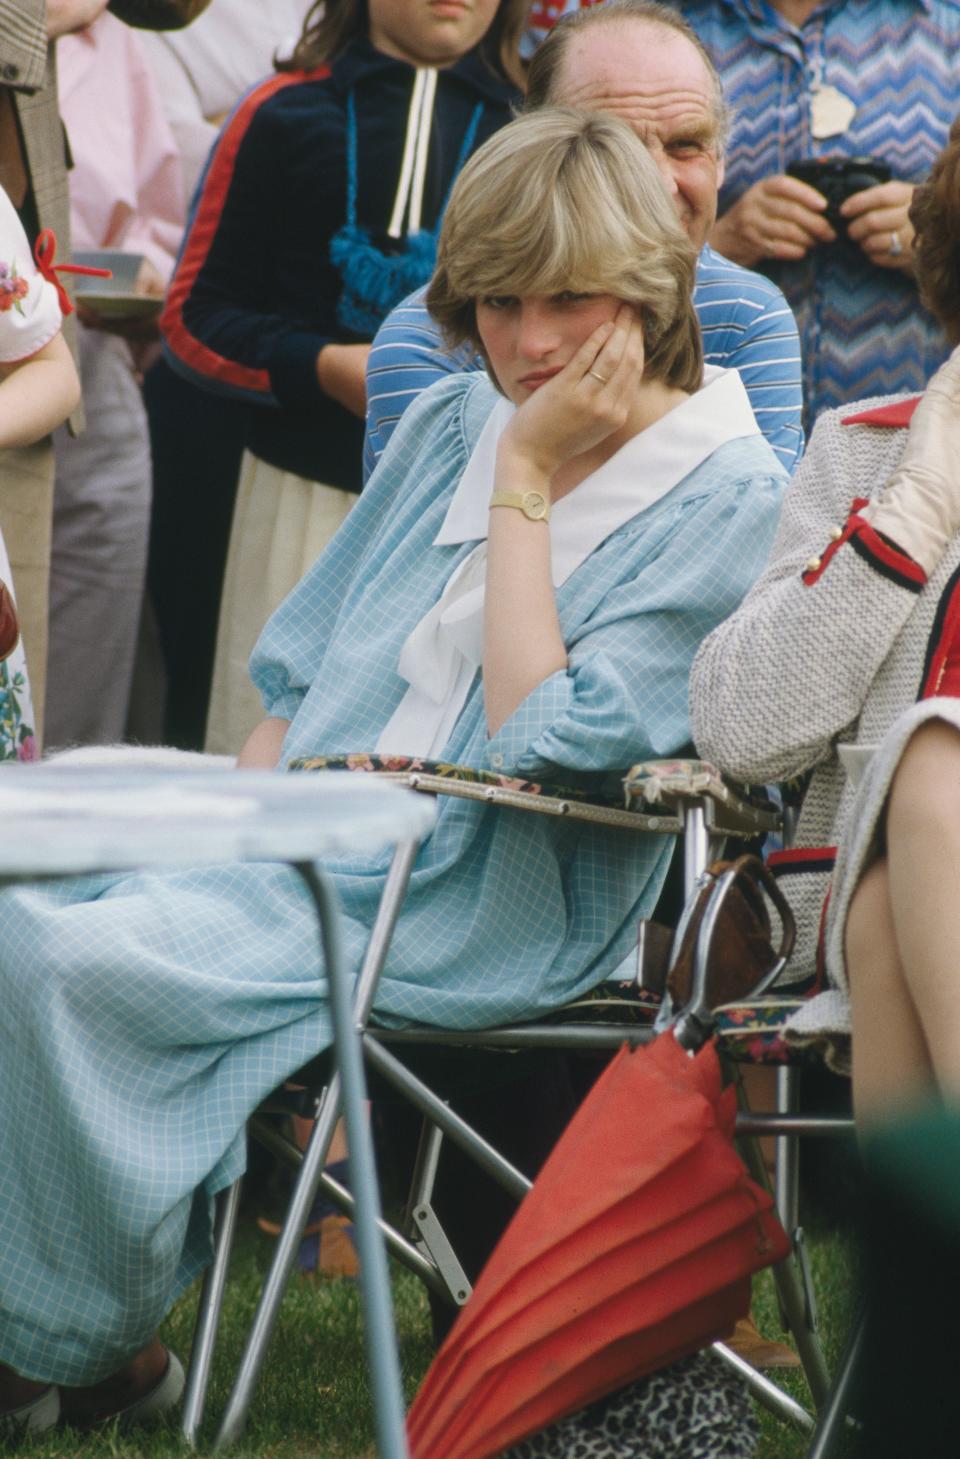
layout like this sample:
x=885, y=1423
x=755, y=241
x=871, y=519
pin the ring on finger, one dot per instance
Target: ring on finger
x=597, y=376
x=896, y=247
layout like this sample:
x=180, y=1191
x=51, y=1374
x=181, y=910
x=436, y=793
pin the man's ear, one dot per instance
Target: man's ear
x=721, y=171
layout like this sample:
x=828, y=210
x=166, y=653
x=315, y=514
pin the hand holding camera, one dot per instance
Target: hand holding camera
x=864, y=205
x=816, y=202
x=779, y=217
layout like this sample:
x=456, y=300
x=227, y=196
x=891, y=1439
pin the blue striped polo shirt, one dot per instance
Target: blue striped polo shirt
x=747, y=325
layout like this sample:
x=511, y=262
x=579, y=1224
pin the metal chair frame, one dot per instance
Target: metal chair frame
x=703, y=819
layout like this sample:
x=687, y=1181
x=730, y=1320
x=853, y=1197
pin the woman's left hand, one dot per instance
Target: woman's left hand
x=878, y=222
x=587, y=401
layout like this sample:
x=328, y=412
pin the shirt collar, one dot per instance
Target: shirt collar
x=638, y=475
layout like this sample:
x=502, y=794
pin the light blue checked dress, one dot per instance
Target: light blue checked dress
x=144, y=1016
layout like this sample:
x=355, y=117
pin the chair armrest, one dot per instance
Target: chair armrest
x=433, y=777
x=729, y=810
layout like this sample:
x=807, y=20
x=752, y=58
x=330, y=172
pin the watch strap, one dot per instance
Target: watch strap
x=533, y=504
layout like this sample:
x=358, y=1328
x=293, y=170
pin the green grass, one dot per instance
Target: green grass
x=833, y=1271
x=313, y=1398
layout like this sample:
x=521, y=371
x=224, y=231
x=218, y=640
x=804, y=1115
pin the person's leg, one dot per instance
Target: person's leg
x=923, y=837
x=891, y=1065
x=98, y=557
x=196, y=442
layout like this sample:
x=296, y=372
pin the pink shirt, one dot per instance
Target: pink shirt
x=125, y=187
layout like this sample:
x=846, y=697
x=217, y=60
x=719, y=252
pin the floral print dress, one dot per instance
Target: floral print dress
x=29, y=318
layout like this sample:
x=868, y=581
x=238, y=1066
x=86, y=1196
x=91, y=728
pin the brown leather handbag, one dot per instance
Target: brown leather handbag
x=9, y=622
x=741, y=953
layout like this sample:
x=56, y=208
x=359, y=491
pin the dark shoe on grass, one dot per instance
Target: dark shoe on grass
x=34, y=1417
x=146, y=1390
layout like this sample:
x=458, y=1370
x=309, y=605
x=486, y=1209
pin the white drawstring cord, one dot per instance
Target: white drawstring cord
x=423, y=152
x=416, y=148
x=406, y=166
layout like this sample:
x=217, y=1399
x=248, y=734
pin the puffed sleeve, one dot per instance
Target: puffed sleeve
x=29, y=309
x=430, y=445
x=774, y=686
x=623, y=694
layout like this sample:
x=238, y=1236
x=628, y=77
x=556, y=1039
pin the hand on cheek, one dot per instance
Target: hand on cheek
x=586, y=402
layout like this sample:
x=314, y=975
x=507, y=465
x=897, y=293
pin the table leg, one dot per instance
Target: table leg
x=379, y=1330
x=348, y=1025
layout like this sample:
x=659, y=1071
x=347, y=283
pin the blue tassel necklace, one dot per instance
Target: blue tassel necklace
x=374, y=281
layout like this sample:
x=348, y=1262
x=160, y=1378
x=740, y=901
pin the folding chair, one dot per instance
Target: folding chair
x=684, y=799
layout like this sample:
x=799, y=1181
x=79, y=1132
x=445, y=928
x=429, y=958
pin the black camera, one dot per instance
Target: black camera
x=838, y=178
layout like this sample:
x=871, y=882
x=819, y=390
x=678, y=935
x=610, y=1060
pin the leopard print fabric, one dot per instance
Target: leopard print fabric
x=694, y=1409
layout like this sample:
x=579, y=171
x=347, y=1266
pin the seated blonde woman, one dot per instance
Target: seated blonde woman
x=851, y=636
x=521, y=588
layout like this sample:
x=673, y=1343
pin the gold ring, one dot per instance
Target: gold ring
x=597, y=376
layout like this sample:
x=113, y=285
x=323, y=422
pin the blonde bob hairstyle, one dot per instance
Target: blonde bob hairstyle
x=570, y=201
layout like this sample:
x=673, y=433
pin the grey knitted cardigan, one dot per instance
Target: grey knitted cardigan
x=835, y=643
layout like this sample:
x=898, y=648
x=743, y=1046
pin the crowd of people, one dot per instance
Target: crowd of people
x=468, y=423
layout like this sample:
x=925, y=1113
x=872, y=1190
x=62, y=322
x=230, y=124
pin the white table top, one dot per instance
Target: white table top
x=70, y=819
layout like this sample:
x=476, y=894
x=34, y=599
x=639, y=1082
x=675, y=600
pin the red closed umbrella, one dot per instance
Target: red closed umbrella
x=634, y=1248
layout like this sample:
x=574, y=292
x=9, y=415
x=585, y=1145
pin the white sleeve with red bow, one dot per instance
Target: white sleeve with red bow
x=30, y=313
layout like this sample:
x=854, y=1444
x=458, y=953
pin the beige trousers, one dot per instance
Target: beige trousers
x=281, y=524
x=26, y=514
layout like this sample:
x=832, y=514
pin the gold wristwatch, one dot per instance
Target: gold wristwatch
x=533, y=504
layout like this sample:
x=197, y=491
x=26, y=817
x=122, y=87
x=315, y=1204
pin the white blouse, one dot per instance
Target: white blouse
x=29, y=307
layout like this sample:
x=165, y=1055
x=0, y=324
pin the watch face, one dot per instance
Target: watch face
x=534, y=505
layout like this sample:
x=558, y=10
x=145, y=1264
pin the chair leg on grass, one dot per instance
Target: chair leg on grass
x=793, y=1295
x=281, y=1267
x=833, y=1418
x=208, y=1314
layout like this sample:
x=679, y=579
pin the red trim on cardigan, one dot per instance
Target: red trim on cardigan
x=898, y=414
x=801, y=853
x=874, y=545
x=813, y=575
x=943, y=675
x=186, y=346
x=892, y=557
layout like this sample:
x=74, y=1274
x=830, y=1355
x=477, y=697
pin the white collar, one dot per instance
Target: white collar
x=639, y=474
